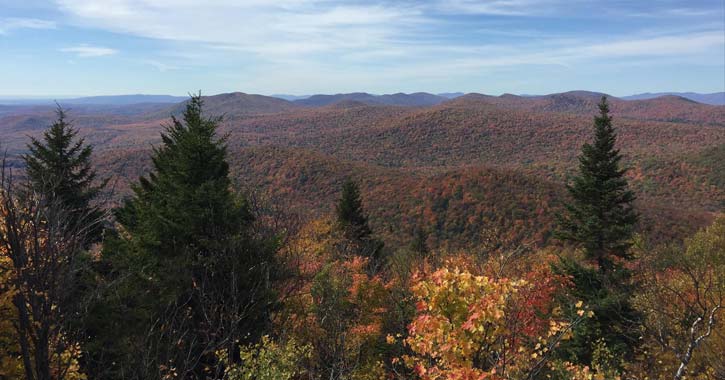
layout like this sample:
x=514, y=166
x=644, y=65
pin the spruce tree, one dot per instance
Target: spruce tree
x=419, y=243
x=192, y=276
x=60, y=166
x=350, y=215
x=600, y=219
x=353, y=222
x=186, y=199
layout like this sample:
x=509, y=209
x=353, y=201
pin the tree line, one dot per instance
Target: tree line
x=190, y=279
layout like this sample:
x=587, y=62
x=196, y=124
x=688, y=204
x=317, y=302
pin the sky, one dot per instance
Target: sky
x=103, y=47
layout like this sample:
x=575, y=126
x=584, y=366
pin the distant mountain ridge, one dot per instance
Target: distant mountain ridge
x=422, y=99
x=235, y=104
x=667, y=108
x=399, y=99
x=715, y=98
x=383, y=98
x=464, y=164
x=114, y=100
x=126, y=99
x=417, y=99
x=451, y=95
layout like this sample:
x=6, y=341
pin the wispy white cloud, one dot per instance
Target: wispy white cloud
x=13, y=23
x=256, y=26
x=87, y=51
x=682, y=12
x=663, y=45
x=498, y=7
x=691, y=12
x=162, y=67
x=350, y=41
x=568, y=53
x=291, y=29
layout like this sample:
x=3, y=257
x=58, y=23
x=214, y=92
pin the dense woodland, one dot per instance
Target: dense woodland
x=480, y=238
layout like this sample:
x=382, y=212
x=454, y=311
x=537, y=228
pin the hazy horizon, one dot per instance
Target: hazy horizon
x=282, y=95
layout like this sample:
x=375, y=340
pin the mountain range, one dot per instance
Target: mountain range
x=97, y=100
x=401, y=99
x=425, y=99
x=417, y=98
x=455, y=166
x=715, y=98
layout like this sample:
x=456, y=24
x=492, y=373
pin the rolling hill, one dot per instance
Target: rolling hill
x=715, y=98
x=456, y=206
x=667, y=108
x=236, y=104
x=456, y=167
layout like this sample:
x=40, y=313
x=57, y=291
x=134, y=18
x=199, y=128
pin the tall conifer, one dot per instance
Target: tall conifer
x=353, y=222
x=192, y=277
x=350, y=215
x=600, y=219
x=59, y=164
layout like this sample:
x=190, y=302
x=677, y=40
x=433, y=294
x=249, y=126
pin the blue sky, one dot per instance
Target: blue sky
x=95, y=47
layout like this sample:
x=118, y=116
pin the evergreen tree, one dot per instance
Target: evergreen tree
x=186, y=199
x=419, y=244
x=353, y=222
x=600, y=217
x=350, y=215
x=615, y=322
x=193, y=277
x=60, y=166
x=601, y=220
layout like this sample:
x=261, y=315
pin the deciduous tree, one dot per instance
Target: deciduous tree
x=41, y=254
x=473, y=327
x=683, y=297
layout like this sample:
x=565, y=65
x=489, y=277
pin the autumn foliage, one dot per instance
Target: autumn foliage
x=359, y=242
x=474, y=327
x=333, y=303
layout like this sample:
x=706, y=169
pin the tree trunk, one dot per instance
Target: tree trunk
x=24, y=326
x=683, y=364
x=685, y=359
x=42, y=355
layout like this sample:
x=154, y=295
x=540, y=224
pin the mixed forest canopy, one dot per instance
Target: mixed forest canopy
x=572, y=236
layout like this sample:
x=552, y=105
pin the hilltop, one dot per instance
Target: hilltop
x=715, y=98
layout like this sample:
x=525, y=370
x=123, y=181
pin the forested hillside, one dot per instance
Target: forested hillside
x=236, y=236
x=672, y=164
